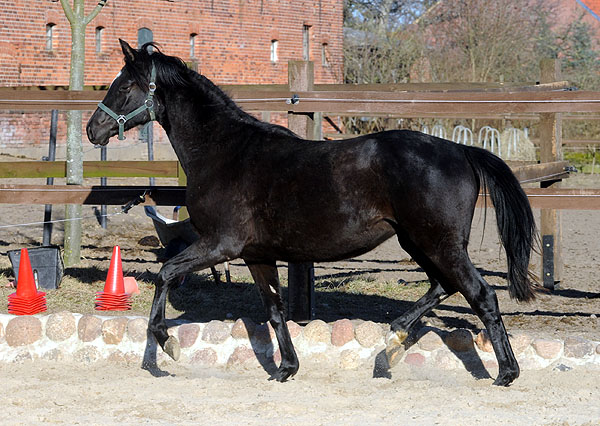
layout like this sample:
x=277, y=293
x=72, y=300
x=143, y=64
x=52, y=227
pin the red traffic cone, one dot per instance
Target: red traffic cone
x=26, y=287
x=114, y=279
x=114, y=298
x=27, y=300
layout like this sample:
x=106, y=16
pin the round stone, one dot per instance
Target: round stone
x=294, y=329
x=349, y=360
x=205, y=357
x=137, y=329
x=263, y=333
x=87, y=355
x=89, y=328
x=483, y=342
x=23, y=330
x=216, y=332
x=430, y=341
x=446, y=360
x=132, y=358
x=113, y=330
x=520, y=342
x=23, y=357
x=54, y=355
x=578, y=347
x=415, y=359
x=342, y=332
x=116, y=357
x=460, y=340
x=241, y=356
x=188, y=334
x=60, y=326
x=547, y=348
x=243, y=328
x=368, y=334
x=317, y=331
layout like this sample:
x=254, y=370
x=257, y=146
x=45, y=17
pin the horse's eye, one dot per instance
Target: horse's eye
x=125, y=88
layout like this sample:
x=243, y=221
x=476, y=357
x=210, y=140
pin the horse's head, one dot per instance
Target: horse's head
x=130, y=99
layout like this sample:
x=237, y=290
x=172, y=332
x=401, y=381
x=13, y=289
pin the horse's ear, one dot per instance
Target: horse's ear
x=128, y=51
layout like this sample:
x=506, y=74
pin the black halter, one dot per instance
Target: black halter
x=148, y=105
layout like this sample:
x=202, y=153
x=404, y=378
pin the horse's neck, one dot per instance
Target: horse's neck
x=195, y=132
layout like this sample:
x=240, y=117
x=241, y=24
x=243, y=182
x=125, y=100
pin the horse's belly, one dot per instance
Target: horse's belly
x=320, y=244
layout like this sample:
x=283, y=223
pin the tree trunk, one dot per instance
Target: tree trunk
x=78, y=21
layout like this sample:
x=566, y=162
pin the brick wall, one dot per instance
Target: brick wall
x=233, y=44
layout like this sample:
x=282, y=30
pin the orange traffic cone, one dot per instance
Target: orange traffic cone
x=27, y=300
x=114, y=298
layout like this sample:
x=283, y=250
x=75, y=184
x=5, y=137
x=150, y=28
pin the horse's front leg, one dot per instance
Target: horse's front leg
x=265, y=276
x=194, y=258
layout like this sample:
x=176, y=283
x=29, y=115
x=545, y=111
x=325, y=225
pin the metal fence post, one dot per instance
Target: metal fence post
x=47, y=237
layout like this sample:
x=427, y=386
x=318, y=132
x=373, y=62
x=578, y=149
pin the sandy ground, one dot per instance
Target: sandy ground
x=43, y=393
x=100, y=394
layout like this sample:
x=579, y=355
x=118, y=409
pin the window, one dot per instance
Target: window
x=144, y=36
x=50, y=36
x=306, y=42
x=325, y=54
x=99, y=34
x=193, y=39
x=274, y=53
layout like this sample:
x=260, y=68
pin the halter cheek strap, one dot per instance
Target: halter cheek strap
x=148, y=105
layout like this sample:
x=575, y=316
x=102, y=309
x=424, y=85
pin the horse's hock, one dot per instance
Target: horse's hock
x=344, y=344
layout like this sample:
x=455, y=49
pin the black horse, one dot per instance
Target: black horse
x=300, y=201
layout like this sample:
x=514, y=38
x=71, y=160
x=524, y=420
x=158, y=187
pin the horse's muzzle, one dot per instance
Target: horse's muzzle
x=95, y=133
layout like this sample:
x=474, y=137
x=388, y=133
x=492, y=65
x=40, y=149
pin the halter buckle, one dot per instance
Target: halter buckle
x=149, y=103
x=121, y=119
x=152, y=86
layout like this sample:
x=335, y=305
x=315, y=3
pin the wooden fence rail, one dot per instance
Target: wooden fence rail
x=350, y=102
x=560, y=198
x=91, y=169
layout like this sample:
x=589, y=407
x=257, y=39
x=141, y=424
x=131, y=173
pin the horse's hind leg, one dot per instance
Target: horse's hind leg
x=194, y=258
x=401, y=327
x=484, y=302
x=265, y=276
x=458, y=273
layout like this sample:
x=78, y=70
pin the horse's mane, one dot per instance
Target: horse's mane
x=172, y=72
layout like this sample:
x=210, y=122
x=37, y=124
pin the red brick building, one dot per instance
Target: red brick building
x=230, y=41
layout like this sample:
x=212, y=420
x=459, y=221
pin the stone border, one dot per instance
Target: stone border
x=346, y=344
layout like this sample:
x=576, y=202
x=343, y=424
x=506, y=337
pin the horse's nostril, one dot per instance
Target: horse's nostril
x=90, y=133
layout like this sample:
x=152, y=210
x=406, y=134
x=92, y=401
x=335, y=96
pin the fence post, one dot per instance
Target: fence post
x=551, y=150
x=47, y=236
x=103, y=182
x=301, y=276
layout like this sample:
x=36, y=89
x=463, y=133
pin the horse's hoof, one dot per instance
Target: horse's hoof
x=506, y=379
x=172, y=348
x=283, y=373
x=394, y=348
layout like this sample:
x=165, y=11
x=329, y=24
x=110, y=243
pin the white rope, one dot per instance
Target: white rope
x=60, y=220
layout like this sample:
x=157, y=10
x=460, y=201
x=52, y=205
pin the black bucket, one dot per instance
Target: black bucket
x=46, y=262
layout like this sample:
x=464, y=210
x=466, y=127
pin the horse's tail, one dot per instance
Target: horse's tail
x=516, y=225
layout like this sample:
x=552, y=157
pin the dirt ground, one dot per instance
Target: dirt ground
x=100, y=394
x=43, y=393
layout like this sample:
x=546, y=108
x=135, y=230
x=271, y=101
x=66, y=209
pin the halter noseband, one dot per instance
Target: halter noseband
x=148, y=105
